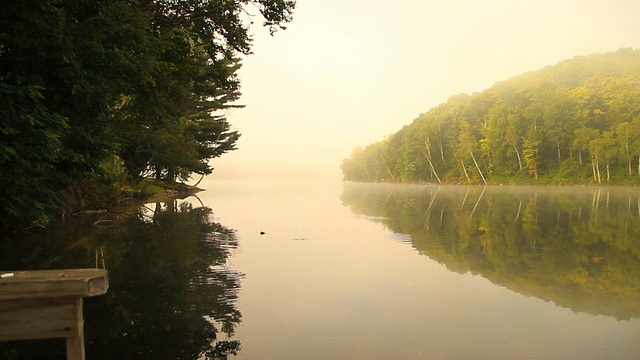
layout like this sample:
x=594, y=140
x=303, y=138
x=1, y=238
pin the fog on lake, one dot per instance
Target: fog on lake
x=354, y=271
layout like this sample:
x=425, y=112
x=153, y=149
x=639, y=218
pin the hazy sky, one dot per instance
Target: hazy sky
x=347, y=73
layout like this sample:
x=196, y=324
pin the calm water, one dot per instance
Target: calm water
x=352, y=271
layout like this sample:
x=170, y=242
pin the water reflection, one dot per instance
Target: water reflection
x=171, y=296
x=577, y=247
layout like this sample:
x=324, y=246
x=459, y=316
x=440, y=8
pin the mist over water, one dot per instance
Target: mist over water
x=381, y=271
x=317, y=270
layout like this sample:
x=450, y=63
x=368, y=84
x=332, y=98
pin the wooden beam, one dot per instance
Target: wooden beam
x=45, y=304
x=39, y=319
x=53, y=283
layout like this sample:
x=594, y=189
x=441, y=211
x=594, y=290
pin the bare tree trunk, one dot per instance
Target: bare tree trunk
x=465, y=171
x=433, y=170
x=388, y=170
x=518, y=214
x=433, y=199
x=518, y=154
x=477, y=202
x=580, y=157
x=464, y=201
x=477, y=167
x=441, y=151
x=593, y=168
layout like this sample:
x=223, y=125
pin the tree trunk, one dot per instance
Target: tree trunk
x=518, y=154
x=441, y=151
x=201, y=177
x=580, y=157
x=428, y=156
x=465, y=171
x=388, y=170
x=433, y=170
x=477, y=202
x=478, y=167
x=518, y=214
x=171, y=176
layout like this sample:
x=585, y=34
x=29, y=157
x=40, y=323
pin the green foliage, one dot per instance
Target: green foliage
x=30, y=146
x=549, y=126
x=575, y=246
x=86, y=81
x=168, y=281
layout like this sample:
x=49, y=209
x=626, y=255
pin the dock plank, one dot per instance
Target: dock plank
x=53, y=283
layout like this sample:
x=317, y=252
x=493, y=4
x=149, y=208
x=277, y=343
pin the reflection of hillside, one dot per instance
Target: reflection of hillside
x=577, y=247
x=171, y=295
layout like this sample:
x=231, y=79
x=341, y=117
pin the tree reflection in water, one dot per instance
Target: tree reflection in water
x=577, y=247
x=171, y=294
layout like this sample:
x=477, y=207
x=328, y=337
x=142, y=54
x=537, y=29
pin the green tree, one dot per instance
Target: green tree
x=468, y=146
x=544, y=121
x=623, y=135
x=604, y=150
x=93, y=79
x=582, y=140
x=61, y=66
x=30, y=143
x=531, y=154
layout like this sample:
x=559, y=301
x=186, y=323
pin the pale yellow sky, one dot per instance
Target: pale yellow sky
x=347, y=73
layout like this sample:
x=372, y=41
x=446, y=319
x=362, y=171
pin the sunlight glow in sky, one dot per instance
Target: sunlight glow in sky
x=347, y=73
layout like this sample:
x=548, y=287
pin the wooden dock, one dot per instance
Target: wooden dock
x=45, y=304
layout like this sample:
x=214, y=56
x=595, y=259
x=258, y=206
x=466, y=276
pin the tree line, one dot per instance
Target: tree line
x=95, y=91
x=575, y=246
x=575, y=122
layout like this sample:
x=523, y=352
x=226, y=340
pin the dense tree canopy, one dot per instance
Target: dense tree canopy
x=575, y=122
x=139, y=84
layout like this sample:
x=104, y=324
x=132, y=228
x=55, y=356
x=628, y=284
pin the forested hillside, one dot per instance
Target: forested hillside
x=577, y=122
x=94, y=92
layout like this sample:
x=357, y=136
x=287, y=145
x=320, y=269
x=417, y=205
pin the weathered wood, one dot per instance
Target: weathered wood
x=39, y=319
x=75, y=342
x=54, y=283
x=46, y=304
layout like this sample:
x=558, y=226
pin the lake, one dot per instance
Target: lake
x=322, y=270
